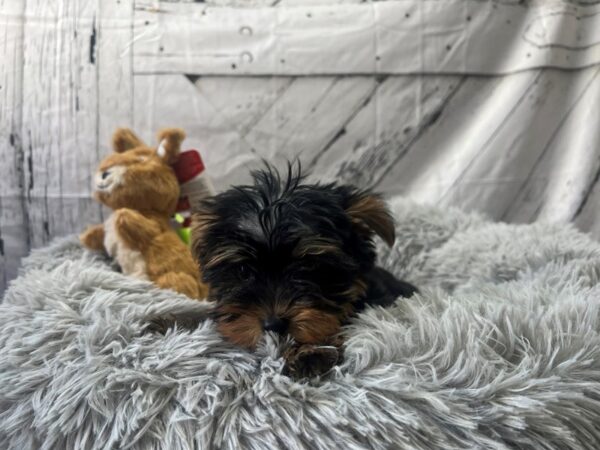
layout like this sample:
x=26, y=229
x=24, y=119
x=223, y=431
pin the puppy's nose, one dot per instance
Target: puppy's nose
x=275, y=324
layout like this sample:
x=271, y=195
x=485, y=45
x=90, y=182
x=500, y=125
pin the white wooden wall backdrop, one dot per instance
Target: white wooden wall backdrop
x=489, y=105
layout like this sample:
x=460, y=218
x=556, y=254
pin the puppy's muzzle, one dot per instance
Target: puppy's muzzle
x=276, y=325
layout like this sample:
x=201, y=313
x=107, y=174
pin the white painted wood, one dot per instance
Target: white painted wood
x=519, y=143
x=59, y=128
x=14, y=235
x=114, y=67
x=384, y=131
x=392, y=37
x=463, y=126
x=242, y=101
x=569, y=165
x=176, y=101
x=319, y=104
x=261, y=3
x=587, y=217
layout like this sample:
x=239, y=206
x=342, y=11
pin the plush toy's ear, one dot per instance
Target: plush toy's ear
x=169, y=144
x=370, y=214
x=124, y=139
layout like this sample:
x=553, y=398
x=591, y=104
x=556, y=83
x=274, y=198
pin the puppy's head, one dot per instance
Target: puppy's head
x=287, y=257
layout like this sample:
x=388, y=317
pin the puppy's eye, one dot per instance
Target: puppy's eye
x=244, y=273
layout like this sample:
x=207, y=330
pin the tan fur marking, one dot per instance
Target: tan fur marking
x=125, y=139
x=356, y=291
x=241, y=326
x=315, y=247
x=312, y=326
x=230, y=254
x=369, y=212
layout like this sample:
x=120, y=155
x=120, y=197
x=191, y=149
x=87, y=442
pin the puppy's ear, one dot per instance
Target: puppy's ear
x=369, y=214
x=169, y=146
x=124, y=139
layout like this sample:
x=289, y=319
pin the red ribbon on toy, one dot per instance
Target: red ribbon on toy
x=194, y=183
x=188, y=165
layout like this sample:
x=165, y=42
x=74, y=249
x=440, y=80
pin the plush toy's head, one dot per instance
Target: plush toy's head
x=140, y=177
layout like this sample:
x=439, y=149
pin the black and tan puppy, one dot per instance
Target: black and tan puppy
x=293, y=258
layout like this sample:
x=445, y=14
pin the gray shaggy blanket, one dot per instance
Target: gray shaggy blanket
x=500, y=350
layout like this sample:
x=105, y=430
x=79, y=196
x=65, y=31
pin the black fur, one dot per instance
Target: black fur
x=280, y=246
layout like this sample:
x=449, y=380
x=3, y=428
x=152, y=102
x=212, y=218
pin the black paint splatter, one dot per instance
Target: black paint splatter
x=93, y=44
x=30, y=169
x=192, y=77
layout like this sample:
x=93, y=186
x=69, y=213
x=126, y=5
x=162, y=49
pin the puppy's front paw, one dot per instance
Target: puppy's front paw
x=160, y=324
x=307, y=361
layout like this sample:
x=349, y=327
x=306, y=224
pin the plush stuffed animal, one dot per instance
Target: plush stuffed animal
x=138, y=183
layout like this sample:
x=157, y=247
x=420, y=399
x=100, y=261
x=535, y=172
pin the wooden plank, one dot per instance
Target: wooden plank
x=173, y=100
x=14, y=236
x=115, y=73
x=491, y=184
x=277, y=3
x=391, y=37
x=59, y=128
x=238, y=121
x=309, y=115
x=451, y=135
x=586, y=217
x=560, y=184
x=383, y=134
x=224, y=117
x=241, y=102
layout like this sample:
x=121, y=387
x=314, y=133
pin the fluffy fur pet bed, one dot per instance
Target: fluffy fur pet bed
x=500, y=350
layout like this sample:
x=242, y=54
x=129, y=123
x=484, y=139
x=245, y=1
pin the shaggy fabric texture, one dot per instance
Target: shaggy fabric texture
x=500, y=350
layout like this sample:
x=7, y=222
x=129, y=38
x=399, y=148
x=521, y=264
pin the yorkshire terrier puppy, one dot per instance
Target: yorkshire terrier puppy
x=293, y=258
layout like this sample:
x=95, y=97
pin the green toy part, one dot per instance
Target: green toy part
x=184, y=233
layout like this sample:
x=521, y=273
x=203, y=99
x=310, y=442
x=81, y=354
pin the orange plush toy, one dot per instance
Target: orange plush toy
x=138, y=183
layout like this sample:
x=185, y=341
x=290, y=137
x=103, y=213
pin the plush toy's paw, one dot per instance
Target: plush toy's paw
x=306, y=361
x=180, y=282
x=135, y=229
x=93, y=237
